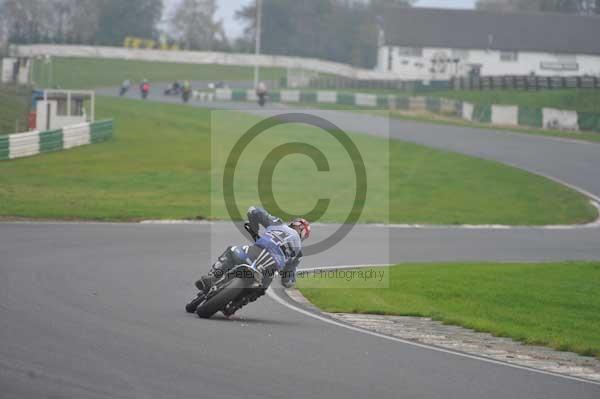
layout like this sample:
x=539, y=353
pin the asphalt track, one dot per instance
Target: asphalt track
x=96, y=310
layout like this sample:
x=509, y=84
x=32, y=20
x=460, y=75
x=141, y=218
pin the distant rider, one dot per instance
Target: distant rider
x=261, y=93
x=281, y=242
x=145, y=88
x=186, y=91
x=125, y=87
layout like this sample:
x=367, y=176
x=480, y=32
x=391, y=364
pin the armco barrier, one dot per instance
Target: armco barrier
x=402, y=103
x=559, y=119
x=4, y=147
x=101, y=131
x=506, y=115
x=433, y=104
x=365, y=100
x=20, y=145
x=531, y=117
x=588, y=121
x=290, y=96
x=327, y=97
x=482, y=113
x=467, y=111
x=308, y=97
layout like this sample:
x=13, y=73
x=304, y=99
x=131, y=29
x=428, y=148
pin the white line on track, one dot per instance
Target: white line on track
x=592, y=225
x=271, y=294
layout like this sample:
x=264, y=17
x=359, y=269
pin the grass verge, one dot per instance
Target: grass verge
x=159, y=166
x=89, y=73
x=551, y=304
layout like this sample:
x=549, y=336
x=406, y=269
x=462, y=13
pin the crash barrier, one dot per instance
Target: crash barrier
x=505, y=115
x=20, y=145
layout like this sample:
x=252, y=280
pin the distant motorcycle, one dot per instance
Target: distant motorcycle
x=262, y=99
x=262, y=94
x=243, y=284
x=174, y=90
x=145, y=90
x=185, y=95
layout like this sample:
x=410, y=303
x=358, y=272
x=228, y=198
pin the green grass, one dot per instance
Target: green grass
x=14, y=106
x=583, y=100
x=158, y=166
x=88, y=73
x=542, y=304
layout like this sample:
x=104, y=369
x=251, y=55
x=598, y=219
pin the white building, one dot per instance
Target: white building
x=422, y=43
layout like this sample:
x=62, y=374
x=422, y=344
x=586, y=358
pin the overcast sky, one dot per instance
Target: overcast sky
x=227, y=10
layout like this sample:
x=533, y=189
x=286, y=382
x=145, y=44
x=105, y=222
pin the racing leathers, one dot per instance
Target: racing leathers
x=281, y=242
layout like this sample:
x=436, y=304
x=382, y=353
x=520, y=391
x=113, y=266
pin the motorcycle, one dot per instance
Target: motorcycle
x=185, y=95
x=144, y=90
x=173, y=91
x=242, y=284
x=262, y=99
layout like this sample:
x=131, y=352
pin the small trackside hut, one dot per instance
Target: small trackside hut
x=55, y=109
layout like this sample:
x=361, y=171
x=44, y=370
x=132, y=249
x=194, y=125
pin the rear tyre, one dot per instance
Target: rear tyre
x=218, y=302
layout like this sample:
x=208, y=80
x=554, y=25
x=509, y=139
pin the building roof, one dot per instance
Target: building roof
x=474, y=29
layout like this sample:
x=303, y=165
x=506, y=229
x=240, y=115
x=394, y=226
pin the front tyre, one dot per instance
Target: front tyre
x=193, y=305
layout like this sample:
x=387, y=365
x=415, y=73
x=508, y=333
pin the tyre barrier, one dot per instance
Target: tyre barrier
x=20, y=145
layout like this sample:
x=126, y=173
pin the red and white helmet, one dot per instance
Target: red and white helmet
x=302, y=227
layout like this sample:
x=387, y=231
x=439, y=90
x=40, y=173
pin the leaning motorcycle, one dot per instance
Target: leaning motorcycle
x=242, y=284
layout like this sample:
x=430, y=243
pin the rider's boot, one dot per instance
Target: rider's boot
x=205, y=283
x=216, y=271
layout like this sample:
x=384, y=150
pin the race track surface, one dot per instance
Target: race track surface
x=96, y=310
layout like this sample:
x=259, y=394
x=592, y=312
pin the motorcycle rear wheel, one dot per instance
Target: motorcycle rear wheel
x=218, y=302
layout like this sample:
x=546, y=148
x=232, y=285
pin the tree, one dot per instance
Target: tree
x=194, y=24
x=382, y=4
x=74, y=21
x=497, y=5
x=121, y=18
x=79, y=21
x=561, y=6
x=339, y=30
x=247, y=16
x=26, y=20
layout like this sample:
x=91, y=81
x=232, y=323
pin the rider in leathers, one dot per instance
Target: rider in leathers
x=282, y=243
